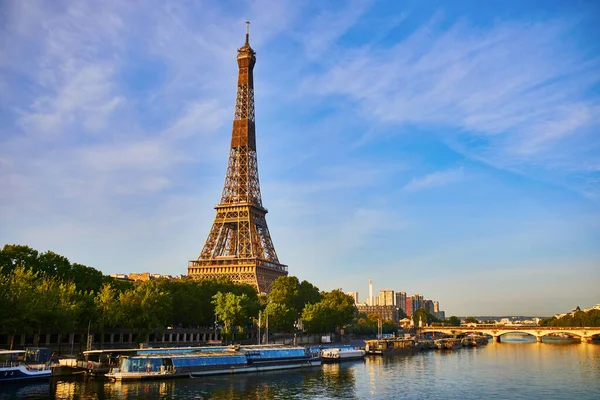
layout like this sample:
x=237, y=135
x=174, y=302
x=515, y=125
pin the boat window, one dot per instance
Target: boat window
x=208, y=361
x=141, y=364
x=276, y=353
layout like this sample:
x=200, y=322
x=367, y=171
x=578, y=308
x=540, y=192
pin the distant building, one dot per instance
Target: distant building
x=428, y=305
x=436, y=306
x=139, y=277
x=386, y=313
x=417, y=301
x=387, y=298
x=596, y=307
x=354, y=295
x=142, y=276
x=409, y=308
x=401, y=301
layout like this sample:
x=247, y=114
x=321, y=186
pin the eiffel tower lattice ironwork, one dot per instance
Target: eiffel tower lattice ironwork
x=239, y=245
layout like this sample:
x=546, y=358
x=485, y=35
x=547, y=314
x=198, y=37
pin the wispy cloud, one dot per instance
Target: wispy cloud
x=435, y=179
x=329, y=25
x=519, y=92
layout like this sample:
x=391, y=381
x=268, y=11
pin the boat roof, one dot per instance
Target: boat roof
x=12, y=351
x=185, y=355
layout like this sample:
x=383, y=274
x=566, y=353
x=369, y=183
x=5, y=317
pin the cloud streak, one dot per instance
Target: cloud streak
x=435, y=179
x=518, y=91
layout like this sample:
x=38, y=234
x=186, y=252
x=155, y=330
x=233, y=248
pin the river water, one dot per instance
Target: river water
x=496, y=371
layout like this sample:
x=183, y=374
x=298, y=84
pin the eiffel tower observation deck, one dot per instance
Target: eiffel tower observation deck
x=239, y=245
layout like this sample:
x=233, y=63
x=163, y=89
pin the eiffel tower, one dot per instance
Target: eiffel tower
x=239, y=245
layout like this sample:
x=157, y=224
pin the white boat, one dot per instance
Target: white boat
x=24, y=365
x=337, y=354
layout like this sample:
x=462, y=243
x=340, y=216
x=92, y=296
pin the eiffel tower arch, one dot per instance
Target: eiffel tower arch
x=239, y=244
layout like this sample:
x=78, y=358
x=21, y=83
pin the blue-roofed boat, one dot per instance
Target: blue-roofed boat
x=162, y=365
x=25, y=365
x=100, y=362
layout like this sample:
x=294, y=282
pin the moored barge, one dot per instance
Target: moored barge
x=387, y=347
x=228, y=361
x=339, y=354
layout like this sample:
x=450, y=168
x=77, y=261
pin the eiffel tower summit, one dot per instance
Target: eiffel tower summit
x=239, y=245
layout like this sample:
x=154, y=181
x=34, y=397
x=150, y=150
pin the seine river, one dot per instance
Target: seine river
x=496, y=371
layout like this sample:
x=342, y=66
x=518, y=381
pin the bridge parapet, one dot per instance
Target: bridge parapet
x=584, y=333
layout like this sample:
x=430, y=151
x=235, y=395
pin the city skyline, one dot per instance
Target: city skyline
x=449, y=149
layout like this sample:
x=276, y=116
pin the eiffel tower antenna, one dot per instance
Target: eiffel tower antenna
x=239, y=245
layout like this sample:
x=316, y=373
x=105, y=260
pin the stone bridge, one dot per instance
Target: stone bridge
x=585, y=334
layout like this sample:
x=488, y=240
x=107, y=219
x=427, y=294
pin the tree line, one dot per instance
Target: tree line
x=580, y=318
x=43, y=292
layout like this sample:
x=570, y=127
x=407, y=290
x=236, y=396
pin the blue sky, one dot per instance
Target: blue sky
x=450, y=149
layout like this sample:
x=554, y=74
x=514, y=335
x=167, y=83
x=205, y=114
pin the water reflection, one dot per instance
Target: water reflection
x=517, y=338
x=135, y=390
x=338, y=379
x=32, y=390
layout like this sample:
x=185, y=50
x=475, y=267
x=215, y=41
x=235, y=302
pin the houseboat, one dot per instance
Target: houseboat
x=448, y=343
x=474, y=340
x=232, y=360
x=386, y=347
x=25, y=365
x=100, y=362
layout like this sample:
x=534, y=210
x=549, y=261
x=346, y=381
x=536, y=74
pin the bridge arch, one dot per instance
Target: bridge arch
x=498, y=338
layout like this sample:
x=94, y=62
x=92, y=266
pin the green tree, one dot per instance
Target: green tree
x=146, y=307
x=317, y=318
x=231, y=309
x=109, y=310
x=423, y=315
x=471, y=320
x=86, y=278
x=53, y=264
x=281, y=318
x=576, y=318
x=14, y=255
x=20, y=308
x=284, y=290
x=334, y=311
x=307, y=294
x=119, y=285
x=281, y=304
x=64, y=306
x=453, y=321
x=342, y=305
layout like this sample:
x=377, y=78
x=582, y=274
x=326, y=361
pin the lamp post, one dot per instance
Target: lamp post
x=259, y=327
x=216, y=321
